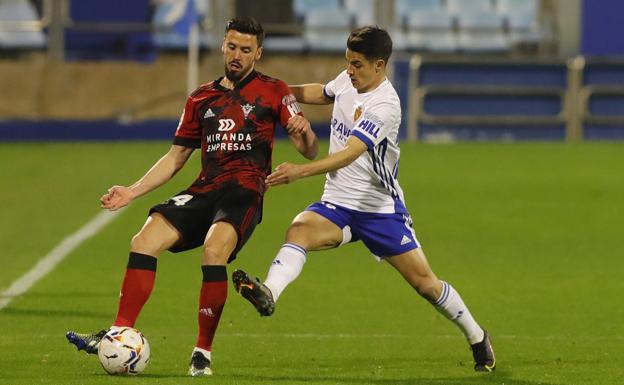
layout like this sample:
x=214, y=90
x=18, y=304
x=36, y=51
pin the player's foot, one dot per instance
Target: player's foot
x=87, y=342
x=483, y=353
x=200, y=365
x=255, y=292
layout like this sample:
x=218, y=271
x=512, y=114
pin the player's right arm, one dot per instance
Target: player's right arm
x=312, y=93
x=161, y=172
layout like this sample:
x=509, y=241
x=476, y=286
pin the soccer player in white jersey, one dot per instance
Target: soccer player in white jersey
x=362, y=199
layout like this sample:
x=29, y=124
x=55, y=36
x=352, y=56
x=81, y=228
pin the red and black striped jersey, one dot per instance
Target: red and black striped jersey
x=235, y=130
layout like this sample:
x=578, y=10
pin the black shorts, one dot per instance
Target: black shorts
x=192, y=214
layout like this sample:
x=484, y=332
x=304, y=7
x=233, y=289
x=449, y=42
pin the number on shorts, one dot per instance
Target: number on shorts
x=180, y=200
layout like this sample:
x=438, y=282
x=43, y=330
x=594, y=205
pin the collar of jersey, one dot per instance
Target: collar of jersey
x=240, y=85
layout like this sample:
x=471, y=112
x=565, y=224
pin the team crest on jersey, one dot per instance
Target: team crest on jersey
x=357, y=113
x=247, y=108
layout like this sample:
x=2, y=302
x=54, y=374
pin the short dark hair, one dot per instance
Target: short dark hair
x=372, y=42
x=247, y=25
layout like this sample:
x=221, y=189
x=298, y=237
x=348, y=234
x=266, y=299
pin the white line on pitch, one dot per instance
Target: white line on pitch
x=49, y=262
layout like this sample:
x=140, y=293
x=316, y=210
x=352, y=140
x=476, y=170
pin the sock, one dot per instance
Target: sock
x=211, y=302
x=206, y=353
x=285, y=268
x=136, y=288
x=451, y=305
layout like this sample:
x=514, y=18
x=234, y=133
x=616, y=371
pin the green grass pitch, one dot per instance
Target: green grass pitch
x=531, y=235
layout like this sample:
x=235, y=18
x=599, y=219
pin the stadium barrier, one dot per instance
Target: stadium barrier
x=509, y=99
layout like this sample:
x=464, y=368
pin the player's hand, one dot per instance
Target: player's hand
x=116, y=198
x=283, y=174
x=298, y=125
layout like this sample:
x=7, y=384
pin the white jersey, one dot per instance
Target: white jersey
x=369, y=184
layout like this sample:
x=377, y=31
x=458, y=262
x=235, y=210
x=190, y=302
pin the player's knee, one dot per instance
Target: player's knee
x=141, y=242
x=298, y=234
x=215, y=255
x=427, y=288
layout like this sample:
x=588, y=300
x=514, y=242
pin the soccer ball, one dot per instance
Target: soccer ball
x=124, y=351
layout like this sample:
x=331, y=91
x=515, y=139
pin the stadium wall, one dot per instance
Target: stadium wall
x=35, y=88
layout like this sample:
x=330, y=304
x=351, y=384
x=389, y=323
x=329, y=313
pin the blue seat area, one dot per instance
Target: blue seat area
x=303, y=7
x=603, y=87
x=415, y=25
x=471, y=6
x=484, y=99
x=482, y=31
x=521, y=17
x=606, y=105
x=604, y=73
x=327, y=29
x=523, y=74
x=507, y=7
x=431, y=29
x=500, y=104
x=109, y=44
x=404, y=8
x=362, y=11
x=171, y=20
x=20, y=10
x=284, y=43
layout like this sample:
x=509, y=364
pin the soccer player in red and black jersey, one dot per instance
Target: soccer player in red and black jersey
x=233, y=121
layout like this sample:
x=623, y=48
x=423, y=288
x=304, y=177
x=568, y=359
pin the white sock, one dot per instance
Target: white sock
x=205, y=352
x=451, y=305
x=285, y=268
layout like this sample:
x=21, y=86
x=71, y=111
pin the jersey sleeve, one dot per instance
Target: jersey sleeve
x=331, y=89
x=375, y=123
x=288, y=106
x=188, y=133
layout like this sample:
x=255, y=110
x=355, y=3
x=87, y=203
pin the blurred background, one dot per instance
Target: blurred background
x=464, y=69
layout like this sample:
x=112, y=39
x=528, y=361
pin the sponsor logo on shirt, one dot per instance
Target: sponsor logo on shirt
x=226, y=124
x=228, y=141
x=369, y=127
x=209, y=114
x=290, y=102
x=340, y=130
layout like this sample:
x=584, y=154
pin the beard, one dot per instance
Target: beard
x=234, y=76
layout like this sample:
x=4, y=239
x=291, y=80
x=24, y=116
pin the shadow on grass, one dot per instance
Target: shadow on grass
x=496, y=378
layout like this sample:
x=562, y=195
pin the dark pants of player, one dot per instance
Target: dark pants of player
x=192, y=214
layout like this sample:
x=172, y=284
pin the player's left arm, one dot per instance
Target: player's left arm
x=289, y=172
x=296, y=125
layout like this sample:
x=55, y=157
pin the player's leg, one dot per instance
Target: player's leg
x=156, y=236
x=236, y=214
x=220, y=243
x=309, y=231
x=413, y=266
x=392, y=237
